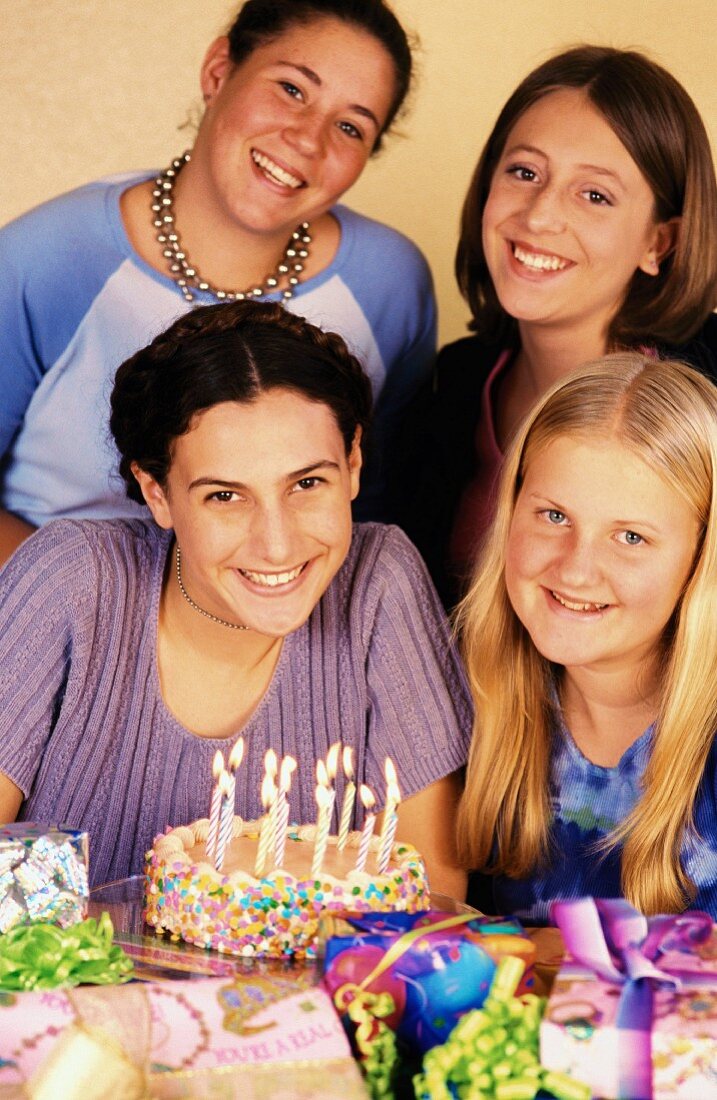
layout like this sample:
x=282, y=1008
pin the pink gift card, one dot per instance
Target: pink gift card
x=191, y=1025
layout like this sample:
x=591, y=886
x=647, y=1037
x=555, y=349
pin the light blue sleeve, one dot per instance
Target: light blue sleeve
x=20, y=366
x=54, y=261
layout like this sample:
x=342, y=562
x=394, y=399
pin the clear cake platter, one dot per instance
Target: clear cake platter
x=162, y=958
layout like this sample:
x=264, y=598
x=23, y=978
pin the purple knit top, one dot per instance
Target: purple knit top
x=85, y=733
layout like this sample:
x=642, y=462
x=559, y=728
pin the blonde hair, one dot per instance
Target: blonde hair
x=666, y=414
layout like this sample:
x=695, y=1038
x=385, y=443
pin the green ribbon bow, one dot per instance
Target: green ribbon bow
x=45, y=956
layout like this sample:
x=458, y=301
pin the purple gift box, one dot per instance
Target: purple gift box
x=43, y=875
x=633, y=1011
x=435, y=966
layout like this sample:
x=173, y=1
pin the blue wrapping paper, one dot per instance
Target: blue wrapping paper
x=435, y=967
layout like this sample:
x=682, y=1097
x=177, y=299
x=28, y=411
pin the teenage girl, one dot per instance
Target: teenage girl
x=245, y=602
x=298, y=96
x=590, y=226
x=590, y=634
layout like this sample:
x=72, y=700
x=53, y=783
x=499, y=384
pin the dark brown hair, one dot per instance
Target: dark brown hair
x=660, y=127
x=260, y=21
x=230, y=352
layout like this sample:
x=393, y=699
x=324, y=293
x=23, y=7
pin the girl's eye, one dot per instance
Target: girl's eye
x=631, y=538
x=553, y=515
x=597, y=198
x=351, y=130
x=522, y=173
x=290, y=89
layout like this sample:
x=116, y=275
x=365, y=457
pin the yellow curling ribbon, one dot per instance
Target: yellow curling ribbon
x=375, y=1040
x=344, y=994
x=492, y=1053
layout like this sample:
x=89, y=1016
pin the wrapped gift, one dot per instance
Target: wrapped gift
x=434, y=967
x=492, y=1052
x=633, y=1010
x=164, y=1034
x=43, y=875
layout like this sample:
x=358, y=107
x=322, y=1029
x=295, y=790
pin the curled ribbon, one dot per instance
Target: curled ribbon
x=492, y=1052
x=621, y=946
x=375, y=1041
x=44, y=956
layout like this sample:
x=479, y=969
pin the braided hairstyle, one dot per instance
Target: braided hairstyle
x=230, y=352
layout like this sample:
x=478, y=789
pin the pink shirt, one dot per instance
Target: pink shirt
x=476, y=506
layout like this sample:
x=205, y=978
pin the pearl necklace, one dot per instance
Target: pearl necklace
x=183, y=271
x=190, y=601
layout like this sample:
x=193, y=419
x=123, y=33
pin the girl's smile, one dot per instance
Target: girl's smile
x=599, y=551
x=569, y=217
x=259, y=496
x=290, y=128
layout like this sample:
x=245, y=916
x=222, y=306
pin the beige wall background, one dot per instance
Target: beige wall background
x=90, y=87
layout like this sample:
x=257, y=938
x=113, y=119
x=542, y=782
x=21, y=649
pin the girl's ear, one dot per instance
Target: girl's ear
x=355, y=461
x=216, y=66
x=664, y=239
x=154, y=496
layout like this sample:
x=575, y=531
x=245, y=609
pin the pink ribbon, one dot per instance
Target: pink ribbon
x=622, y=946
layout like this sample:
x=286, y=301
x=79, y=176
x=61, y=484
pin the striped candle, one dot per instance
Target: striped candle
x=347, y=807
x=282, y=824
x=388, y=835
x=288, y=767
x=271, y=768
x=390, y=816
x=325, y=778
x=227, y=810
x=323, y=825
x=216, y=805
x=368, y=802
x=226, y=822
x=266, y=836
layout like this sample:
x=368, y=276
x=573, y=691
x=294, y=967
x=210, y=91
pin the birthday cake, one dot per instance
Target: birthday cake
x=276, y=913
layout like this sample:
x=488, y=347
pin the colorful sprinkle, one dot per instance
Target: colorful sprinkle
x=276, y=915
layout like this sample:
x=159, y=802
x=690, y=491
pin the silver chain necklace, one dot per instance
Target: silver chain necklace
x=183, y=271
x=190, y=601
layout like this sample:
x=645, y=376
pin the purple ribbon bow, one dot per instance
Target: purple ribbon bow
x=621, y=946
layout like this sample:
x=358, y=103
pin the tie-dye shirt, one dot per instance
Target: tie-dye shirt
x=588, y=801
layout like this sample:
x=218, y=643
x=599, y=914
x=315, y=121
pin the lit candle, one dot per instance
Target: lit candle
x=323, y=824
x=368, y=802
x=271, y=769
x=271, y=766
x=227, y=819
x=332, y=761
x=288, y=767
x=326, y=773
x=235, y=758
x=388, y=831
x=216, y=805
x=266, y=837
x=347, y=807
x=390, y=816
